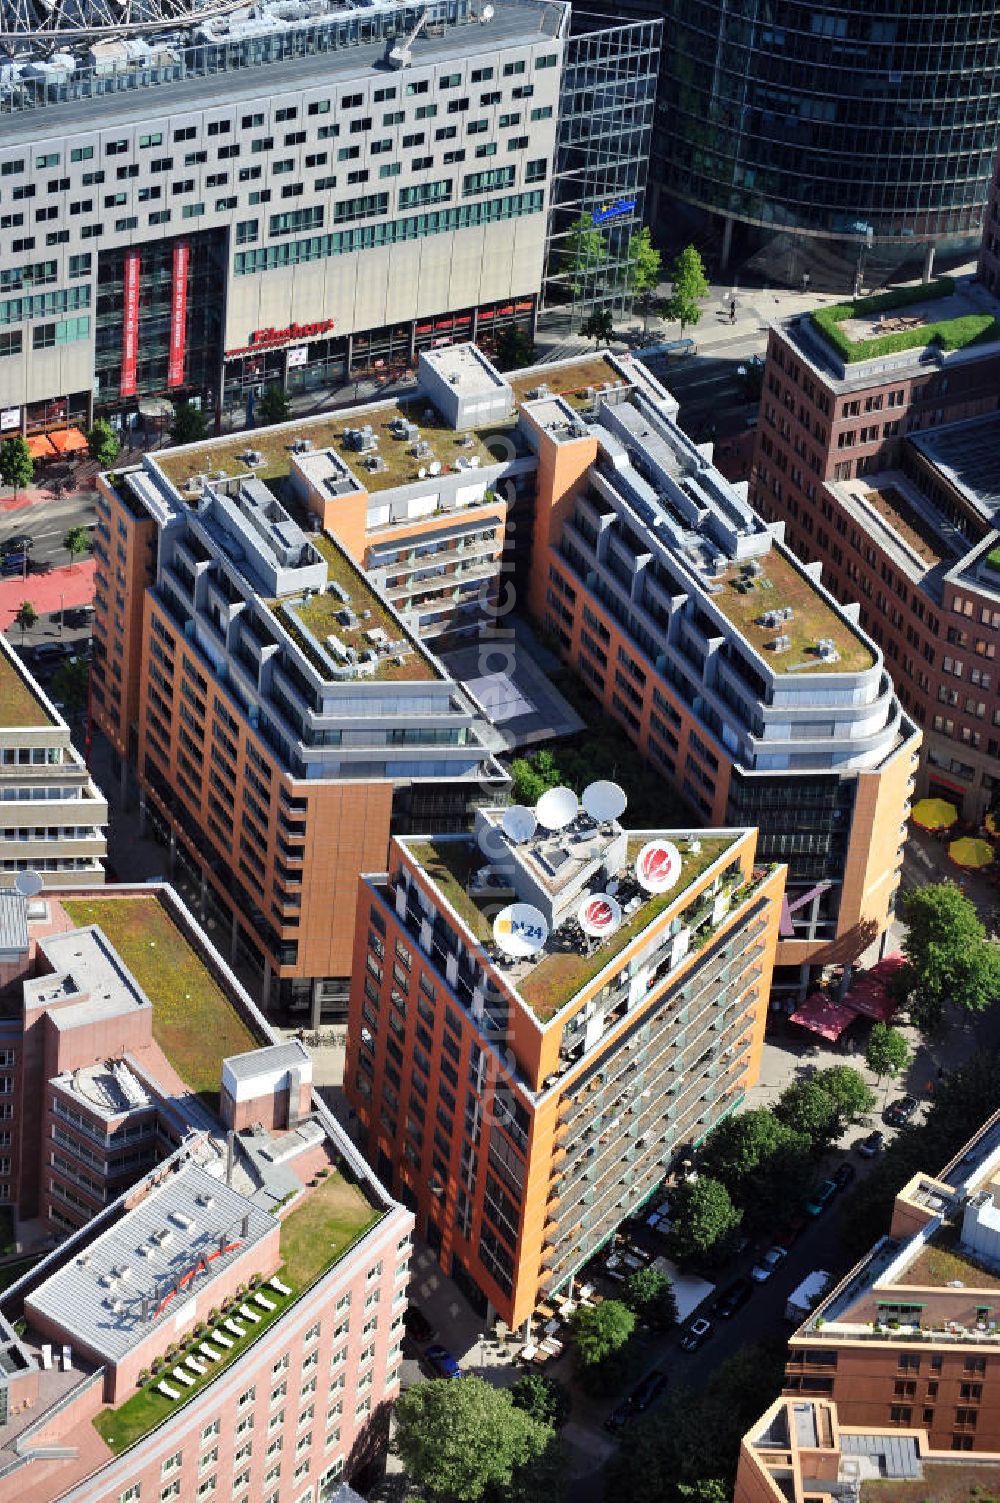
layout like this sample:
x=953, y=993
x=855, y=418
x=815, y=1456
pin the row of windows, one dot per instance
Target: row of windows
x=66, y=300
x=389, y=232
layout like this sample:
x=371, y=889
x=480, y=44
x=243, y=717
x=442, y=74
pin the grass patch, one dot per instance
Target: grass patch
x=950, y=333
x=570, y=382
x=18, y=705
x=813, y=617
x=194, y=1022
x=942, y=1482
x=313, y=1237
x=993, y=558
x=943, y=1260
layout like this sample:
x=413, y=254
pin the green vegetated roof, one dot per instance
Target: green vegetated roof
x=333, y=1215
x=953, y=332
x=194, y=1022
x=19, y=704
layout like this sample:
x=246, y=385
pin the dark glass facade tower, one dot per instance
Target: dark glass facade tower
x=866, y=126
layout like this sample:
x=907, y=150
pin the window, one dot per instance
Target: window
x=131, y=1494
x=171, y=1463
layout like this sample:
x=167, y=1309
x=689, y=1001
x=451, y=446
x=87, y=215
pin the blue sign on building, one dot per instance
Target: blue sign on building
x=613, y=210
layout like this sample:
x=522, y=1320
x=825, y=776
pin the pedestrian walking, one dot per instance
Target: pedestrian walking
x=732, y=310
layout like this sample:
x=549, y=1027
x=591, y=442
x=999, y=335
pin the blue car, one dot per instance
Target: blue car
x=443, y=1362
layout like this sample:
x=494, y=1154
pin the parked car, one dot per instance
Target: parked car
x=637, y=1402
x=821, y=1197
x=765, y=1266
x=899, y=1112
x=733, y=1298
x=416, y=1325
x=50, y=654
x=696, y=1334
x=871, y=1147
x=19, y=542
x=790, y=1231
x=443, y=1363
x=843, y=1174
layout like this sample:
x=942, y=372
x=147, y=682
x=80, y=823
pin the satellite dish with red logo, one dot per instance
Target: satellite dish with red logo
x=599, y=914
x=658, y=866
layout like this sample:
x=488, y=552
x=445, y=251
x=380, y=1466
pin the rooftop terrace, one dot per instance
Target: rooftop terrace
x=546, y=983
x=570, y=380
x=371, y=626
x=745, y=598
x=194, y=1022
x=401, y=463
x=948, y=314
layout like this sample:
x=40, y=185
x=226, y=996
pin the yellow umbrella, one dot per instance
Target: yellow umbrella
x=934, y=814
x=992, y=822
x=970, y=850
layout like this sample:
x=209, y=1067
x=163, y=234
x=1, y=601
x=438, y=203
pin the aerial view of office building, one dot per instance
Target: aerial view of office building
x=724, y=660
x=54, y=815
x=209, y=201
x=769, y=124
x=909, y=1339
x=876, y=447
x=545, y=1015
x=221, y=1311
x=800, y=1450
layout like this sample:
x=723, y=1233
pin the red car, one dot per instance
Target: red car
x=790, y=1231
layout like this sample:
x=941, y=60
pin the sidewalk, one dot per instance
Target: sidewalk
x=60, y=589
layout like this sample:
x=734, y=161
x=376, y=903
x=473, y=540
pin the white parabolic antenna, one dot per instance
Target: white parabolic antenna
x=520, y=929
x=519, y=823
x=599, y=914
x=658, y=866
x=29, y=884
x=604, y=800
x=556, y=808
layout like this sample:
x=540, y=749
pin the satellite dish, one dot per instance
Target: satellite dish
x=599, y=914
x=658, y=866
x=519, y=823
x=603, y=801
x=29, y=884
x=556, y=808
x=520, y=930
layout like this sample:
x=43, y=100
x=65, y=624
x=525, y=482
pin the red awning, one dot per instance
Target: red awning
x=39, y=446
x=870, y=994
x=67, y=440
x=823, y=1014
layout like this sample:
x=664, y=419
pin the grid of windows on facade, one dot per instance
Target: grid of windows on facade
x=832, y=158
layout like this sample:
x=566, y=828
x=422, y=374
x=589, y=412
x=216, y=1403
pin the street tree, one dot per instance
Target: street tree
x=849, y=1092
x=514, y=348
x=102, y=443
x=189, y=425
x=688, y=290
x=76, y=541
x=703, y=1221
x=70, y=685
x=458, y=1439
x=649, y=1294
x=805, y=1107
x=763, y=1163
x=274, y=406
x=17, y=468
x=584, y=254
x=544, y=1398
x=949, y=957
x=26, y=618
x=531, y=776
x=601, y=1333
x=598, y=326
x=887, y=1052
x=643, y=272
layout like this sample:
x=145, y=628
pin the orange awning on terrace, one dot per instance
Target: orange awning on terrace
x=39, y=446
x=67, y=441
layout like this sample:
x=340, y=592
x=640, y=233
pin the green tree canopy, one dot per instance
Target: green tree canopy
x=102, y=442
x=948, y=955
x=703, y=1220
x=529, y=779
x=459, y=1438
x=274, y=406
x=601, y=1333
x=584, y=254
x=76, y=541
x=643, y=271
x=26, y=617
x=649, y=1294
x=764, y=1163
x=805, y=1107
x=849, y=1092
x=544, y=1398
x=69, y=685
x=598, y=326
x=887, y=1052
x=17, y=468
x=514, y=348
x=688, y=290
x=189, y=425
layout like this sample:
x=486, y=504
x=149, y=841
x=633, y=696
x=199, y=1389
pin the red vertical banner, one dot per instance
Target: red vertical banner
x=178, y=314
x=130, y=325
